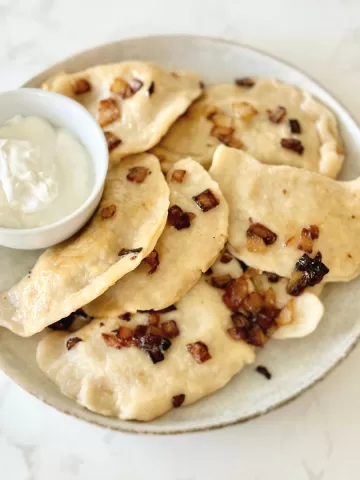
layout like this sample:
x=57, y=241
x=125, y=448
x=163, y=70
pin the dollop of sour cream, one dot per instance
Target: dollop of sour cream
x=45, y=173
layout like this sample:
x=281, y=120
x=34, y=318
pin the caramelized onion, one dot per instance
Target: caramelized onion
x=178, y=176
x=170, y=329
x=108, y=212
x=108, y=111
x=292, y=144
x=137, y=174
x=199, y=351
x=276, y=115
x=235, y=293
x=178, y=219
x=206, y=200
x=80, y=86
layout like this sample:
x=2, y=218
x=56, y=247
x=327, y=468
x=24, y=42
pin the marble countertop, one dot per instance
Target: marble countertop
x=313, y=438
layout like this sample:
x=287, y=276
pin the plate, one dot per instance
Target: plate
x=295, y=364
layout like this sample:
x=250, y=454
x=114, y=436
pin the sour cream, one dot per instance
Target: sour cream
x=45, y=173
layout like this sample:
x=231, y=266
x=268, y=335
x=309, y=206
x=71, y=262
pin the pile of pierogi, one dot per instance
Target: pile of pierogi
x=220, y=223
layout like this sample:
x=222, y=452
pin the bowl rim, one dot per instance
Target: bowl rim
x=99, y=179
x=130, y=429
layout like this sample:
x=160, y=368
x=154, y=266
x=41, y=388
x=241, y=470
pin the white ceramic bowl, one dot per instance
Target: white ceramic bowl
x=63, y=112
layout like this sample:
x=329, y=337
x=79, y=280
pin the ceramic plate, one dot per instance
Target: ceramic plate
x=295, y=364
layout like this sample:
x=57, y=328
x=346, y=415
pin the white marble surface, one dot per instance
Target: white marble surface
x=315, y=437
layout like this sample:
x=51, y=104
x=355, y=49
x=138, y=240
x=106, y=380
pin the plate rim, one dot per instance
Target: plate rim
x=9, y=371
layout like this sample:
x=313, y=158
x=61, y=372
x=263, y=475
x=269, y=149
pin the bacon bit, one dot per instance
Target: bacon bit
x=101, y=324
x=292, y=144
x=199, y=351
x=135, y=85
x=272, y=277
x=226, y=257
x=239, y=320
x=80, y=86
x=256, y=336
x=125, y=316
x=170, y=308
x=178, y=400
x=297, y=283
x=72, y=342
x=126, y=251
x=263, y=371
x=294, y=126
x=178, y=176
x=262, y=232
x=235, y=294
x=258, y=237
x=223, y=134
x=276, y=115
x=270, y=298
x=245, y=82
x=308, y=235
x=153, y=261
x=206, y=200
x=253, y=302
x=266, y=318
x=112, y=141
x=244, y=110
x=121, y=88
x=151, y=89
x=238, y=333
x=170, y=329
x=140, y=331
x=154, y=346
x=108, y=112
x=124, y=333
x=313, y=267
x=137, y=174
x=221, y=281
x=153, y=318
x=221, y=120
x=108, y=212
x=155, y=354
x=307, y=273
x=112, y=341
x=179, y=219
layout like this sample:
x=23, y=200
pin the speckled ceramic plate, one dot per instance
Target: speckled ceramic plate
x=295, y=364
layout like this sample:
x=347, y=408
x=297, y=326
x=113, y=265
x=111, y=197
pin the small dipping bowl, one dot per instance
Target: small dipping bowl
x=63, y=112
